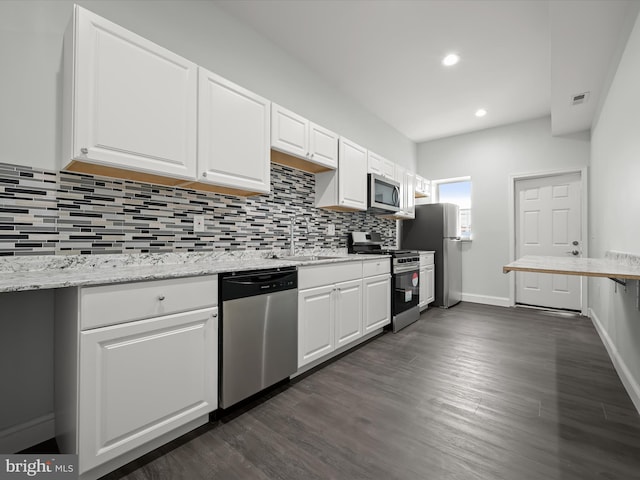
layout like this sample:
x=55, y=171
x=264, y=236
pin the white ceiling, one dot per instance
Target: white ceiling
x=519, y=59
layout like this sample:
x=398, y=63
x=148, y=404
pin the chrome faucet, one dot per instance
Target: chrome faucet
x=292, y=242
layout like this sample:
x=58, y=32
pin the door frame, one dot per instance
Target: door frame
x=584, y=184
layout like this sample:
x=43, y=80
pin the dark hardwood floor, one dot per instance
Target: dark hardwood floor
x=473, y=392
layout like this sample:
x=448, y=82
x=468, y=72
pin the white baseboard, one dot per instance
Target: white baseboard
x=27, y=434
x=486, y=300
x=630, y=384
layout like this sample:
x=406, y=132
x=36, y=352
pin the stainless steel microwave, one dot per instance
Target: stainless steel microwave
x=383, y=194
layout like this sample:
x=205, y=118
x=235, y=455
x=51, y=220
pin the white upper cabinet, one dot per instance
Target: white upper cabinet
x=423, y=187
x=380, y=165
x=410, y=194
x=407, y=193
x=289, y=132
x=314, y=147
x=129, y=104
x=233, y=137
x=323, y=146
x=345, y=188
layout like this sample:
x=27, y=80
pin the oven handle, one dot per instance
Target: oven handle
x=405, y=269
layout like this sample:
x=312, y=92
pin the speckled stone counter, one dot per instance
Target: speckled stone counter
x=613, y=265
x=57, y=271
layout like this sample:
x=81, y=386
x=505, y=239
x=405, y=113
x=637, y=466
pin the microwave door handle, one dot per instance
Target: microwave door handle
x=396, y=196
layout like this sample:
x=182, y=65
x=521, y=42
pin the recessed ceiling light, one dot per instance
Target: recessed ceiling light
x=450, y=60
x=481, y=112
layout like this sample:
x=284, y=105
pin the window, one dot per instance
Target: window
x=458, y=191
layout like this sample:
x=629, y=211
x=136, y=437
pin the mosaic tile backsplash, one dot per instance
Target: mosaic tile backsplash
x=59, y=213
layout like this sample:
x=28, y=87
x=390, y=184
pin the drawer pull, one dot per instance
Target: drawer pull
x=161, y=297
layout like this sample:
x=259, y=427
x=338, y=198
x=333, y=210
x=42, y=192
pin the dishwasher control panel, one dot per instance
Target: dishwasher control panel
x=257, y=282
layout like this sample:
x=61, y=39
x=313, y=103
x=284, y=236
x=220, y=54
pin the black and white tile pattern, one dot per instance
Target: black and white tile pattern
x=44, y=212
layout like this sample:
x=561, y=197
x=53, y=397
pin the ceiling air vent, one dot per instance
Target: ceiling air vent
x=579, y=98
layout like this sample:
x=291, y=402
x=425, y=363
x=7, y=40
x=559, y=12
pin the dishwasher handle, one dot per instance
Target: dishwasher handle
x=257, y=282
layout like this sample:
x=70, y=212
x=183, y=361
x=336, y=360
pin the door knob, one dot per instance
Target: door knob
x=575, y=243
x=574, y=252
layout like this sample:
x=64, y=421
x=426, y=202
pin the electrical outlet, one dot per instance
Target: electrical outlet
x=331, y=229
x=198, y=223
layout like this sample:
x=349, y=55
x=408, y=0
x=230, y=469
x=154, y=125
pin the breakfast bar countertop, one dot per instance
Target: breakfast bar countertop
x=613, y=265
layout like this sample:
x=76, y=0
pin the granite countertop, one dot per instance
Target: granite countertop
x=58, y=271
x=613, y=265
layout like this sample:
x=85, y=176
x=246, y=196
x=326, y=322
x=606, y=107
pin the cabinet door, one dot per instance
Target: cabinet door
x=410, y=192
x=323, y=146
x=423, y=187
x=423, y=288
x=431, y=284
x=315, y=324
x=233, y=135
x=352, y=175
x=348, y=312
x=374, y=163
x=142, y=379
x=377, y=302
x=388, y=168
x=289, y=132
x=134, y=102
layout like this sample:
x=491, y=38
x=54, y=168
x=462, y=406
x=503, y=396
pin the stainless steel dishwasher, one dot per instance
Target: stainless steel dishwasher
x=259, y=331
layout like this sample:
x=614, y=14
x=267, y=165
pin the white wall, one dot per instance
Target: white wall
x=490, y=157
x=31, y=86
x=26, y=369
x=615, y=212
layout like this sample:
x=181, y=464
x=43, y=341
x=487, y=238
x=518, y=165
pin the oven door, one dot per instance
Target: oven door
x=406, y=288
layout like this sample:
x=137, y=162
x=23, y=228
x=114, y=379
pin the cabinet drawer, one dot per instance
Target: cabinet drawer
x=426, y=259
x=371, y=268
x=319, y=275
x=124, y=302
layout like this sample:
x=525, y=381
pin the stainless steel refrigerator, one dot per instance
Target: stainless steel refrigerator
x=436, y=227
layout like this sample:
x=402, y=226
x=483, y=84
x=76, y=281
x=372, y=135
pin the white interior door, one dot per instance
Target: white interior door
x=548, y=222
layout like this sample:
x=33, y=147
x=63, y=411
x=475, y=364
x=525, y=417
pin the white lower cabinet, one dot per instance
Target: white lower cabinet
x=376, y=302
x=142, y=379
x=329, y=317
x=338, y=304
x=315, y=323
x=126, y=388
x=422, y=304
x=348, y=312
x=427, y=279
x=431, y=284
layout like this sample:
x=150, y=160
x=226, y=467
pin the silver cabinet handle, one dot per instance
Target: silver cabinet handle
x=161, y=297
x=214, y=315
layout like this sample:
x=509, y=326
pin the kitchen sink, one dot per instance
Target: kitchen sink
x=307, y=258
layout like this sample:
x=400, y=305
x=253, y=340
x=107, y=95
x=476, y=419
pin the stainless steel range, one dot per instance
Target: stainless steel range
x=405, y=276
